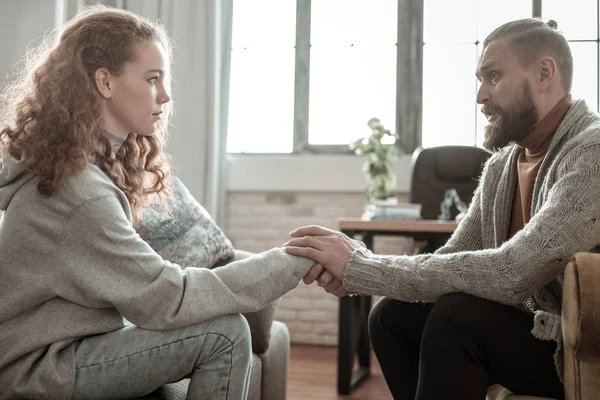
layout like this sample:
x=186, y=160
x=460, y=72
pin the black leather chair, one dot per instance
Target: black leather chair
x=437, y=169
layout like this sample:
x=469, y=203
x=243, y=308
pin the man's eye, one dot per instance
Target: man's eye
x=153, y=80
x=494, y=77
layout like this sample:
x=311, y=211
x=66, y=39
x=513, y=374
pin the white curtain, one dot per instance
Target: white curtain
x=201, y=30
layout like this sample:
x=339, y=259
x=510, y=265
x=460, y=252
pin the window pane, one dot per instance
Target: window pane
x=576, y=19
x=481, y=120
x=491, y=15
x=349, y=86
x=255, y=26
x=585, y=72
x=449, y=94
x=481, y=123
x=450, y=21
x=352, y=68
x=346, y=22
x=261, y=101
x=261, y=93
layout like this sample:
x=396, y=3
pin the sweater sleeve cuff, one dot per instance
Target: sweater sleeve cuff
x=363, y=273
x=547, y=326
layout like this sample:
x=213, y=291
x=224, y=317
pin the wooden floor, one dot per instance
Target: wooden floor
x=312, y=375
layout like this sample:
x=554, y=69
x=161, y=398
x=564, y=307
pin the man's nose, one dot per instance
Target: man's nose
x=483, y=95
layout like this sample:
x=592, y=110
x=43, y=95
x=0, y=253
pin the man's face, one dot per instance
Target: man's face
x=506, y=97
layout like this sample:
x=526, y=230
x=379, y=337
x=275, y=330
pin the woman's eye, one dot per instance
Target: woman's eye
x=153, y=80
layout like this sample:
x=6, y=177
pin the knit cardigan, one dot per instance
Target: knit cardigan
x=479, y=260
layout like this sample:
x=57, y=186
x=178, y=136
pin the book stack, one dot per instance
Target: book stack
x=400, y=211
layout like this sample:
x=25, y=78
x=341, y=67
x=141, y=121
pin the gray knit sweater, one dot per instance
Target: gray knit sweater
x=73, y=266
x=479, y=260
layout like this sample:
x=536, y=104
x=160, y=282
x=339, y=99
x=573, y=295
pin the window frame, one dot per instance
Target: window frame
x=302, y=83
x=409, y=78
x=301, y=145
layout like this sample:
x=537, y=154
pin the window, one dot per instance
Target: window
x=261, y=98
x=309, y=79
x=352, y=68
x=452, y=47
x=580, y=27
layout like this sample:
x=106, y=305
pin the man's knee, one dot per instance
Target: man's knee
x=394, y=316
x=381, y=313
x=461, y=310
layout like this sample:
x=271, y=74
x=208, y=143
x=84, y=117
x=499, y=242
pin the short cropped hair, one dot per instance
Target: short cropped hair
x=532, y=38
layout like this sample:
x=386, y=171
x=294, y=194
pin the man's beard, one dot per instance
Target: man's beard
x=511, y=124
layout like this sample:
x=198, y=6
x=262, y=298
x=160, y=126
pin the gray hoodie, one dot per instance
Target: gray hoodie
x=72, y=266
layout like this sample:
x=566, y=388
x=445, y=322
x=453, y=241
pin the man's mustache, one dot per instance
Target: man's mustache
x=490, y=109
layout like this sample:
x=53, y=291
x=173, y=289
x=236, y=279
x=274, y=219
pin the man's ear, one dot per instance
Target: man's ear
x=548, y=72
x=104, y=82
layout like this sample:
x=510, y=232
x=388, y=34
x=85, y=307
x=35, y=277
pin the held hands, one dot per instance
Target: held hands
x=325, y=280
x=330, y=250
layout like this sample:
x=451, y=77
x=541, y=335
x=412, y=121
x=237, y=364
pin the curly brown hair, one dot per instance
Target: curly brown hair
x=51, y=114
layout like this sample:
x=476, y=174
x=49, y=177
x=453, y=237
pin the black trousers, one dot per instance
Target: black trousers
x=458, y=347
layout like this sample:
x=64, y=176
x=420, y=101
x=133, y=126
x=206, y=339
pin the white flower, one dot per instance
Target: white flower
x=374, y=123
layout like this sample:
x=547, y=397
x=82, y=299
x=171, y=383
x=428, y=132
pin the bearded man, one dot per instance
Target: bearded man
x=486, y=307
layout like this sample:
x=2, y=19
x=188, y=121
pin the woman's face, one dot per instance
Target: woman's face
x=137, y=98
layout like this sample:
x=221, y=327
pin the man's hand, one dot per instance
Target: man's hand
x=328, y=248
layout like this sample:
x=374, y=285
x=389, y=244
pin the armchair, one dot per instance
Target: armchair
x=581, y=332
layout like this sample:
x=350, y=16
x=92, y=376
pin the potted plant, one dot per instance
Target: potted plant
x=380, y=151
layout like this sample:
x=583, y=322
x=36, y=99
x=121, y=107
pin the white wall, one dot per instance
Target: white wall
x=21, y=22
x=302, y=173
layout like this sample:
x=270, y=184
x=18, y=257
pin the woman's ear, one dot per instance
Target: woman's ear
x=104, y=82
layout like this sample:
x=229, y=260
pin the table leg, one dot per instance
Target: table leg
x=353, y=338
x=364, y=343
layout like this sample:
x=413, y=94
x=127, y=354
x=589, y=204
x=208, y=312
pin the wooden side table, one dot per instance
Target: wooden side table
x=353, y=333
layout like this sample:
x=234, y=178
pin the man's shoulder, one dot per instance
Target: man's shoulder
x=590, y=134
x=582, y=149
x=582, y=126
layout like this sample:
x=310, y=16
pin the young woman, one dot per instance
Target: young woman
x=87, y=309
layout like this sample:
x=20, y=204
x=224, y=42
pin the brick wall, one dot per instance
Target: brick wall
x=258, y=221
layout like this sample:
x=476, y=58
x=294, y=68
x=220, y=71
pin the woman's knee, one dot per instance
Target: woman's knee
x=223, y=332
x=229, y=334
x=233, y=326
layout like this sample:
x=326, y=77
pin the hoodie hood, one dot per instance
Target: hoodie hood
x=12, y=176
